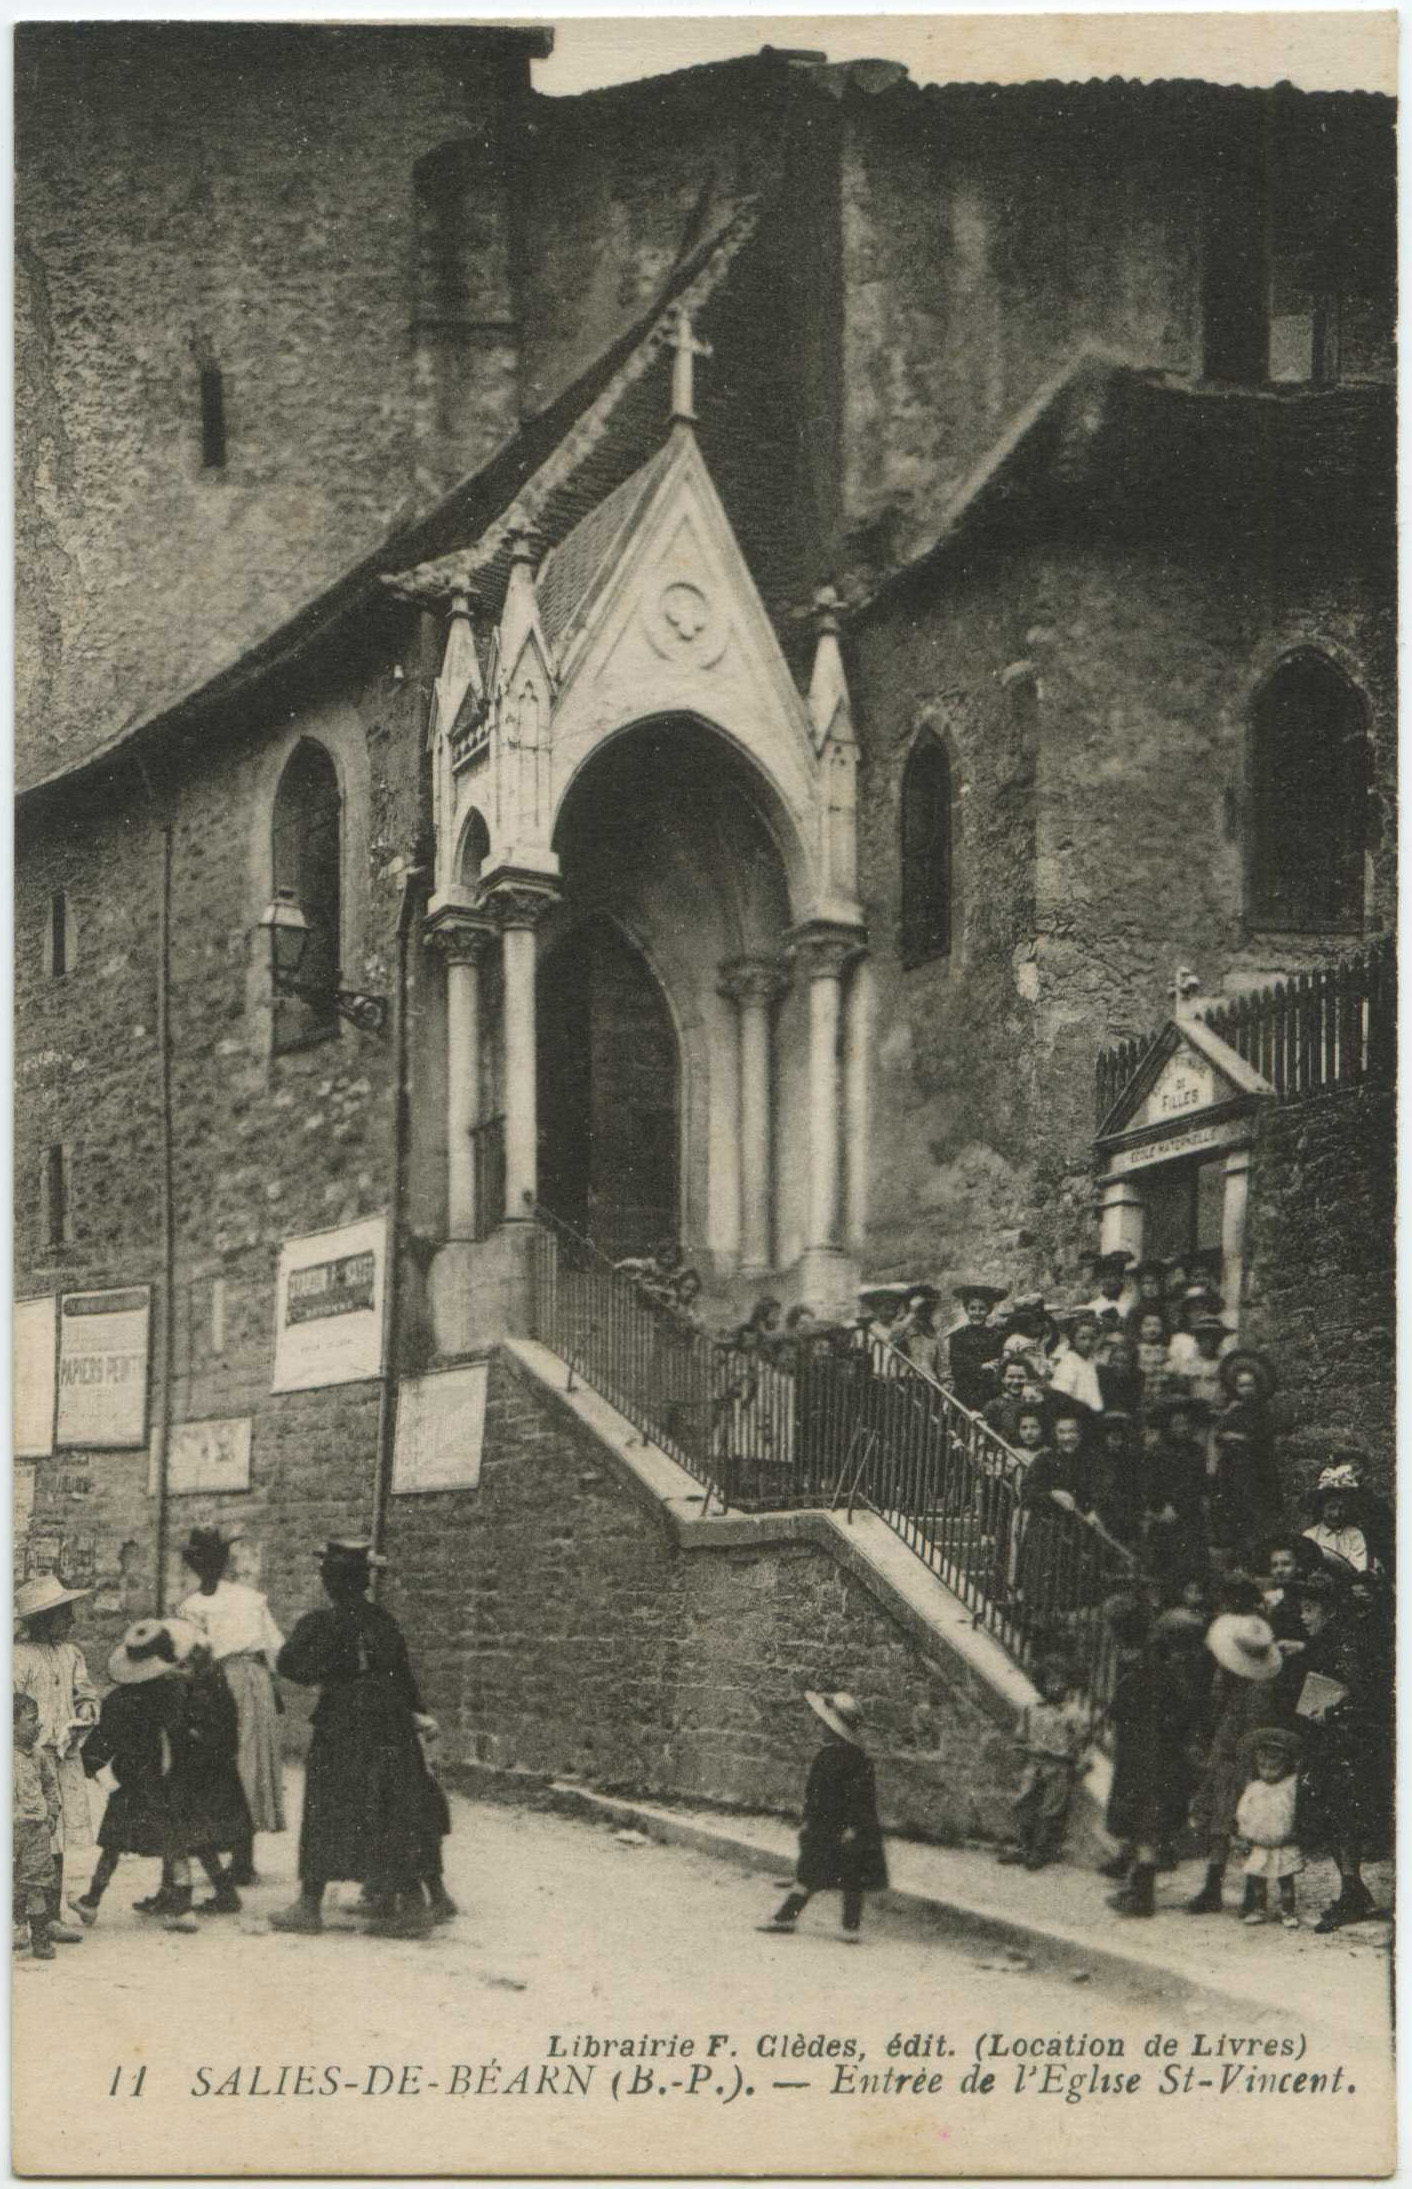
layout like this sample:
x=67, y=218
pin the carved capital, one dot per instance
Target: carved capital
x=823, y=950
x=521, y=902
x=461, y=938
x=753, y=980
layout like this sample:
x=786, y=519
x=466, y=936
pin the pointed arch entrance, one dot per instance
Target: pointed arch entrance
x=609, y=1092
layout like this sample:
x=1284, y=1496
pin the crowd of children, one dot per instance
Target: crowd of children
x=186, y=1742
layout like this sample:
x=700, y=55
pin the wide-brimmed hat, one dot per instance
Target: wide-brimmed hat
x=1328, y=1581
x=1027, y=1303
x=1177, y=1624
x=150, y=1648
x=1244, y=1643
x=1116, y=1258
x=44, y=1593
x=1115, y=1417
x=974, y=1289
x=1209, y=1320
x=206, y=1544
x=349, y=1550
x=1151, y=1265
x=1237, y=1362
x=840, y=1713
x=1184, y=1401
x=1342, y=1480
x=1284, y=1738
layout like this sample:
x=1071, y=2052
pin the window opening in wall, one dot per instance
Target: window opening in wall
x=308, y=829
x=213, y=418
x=59, y=953
x=1308, y=797
x=928, y=878
x=54, y=1195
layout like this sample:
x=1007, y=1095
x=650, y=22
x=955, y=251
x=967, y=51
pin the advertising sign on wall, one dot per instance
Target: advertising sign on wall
x=209, y=1455
x=35, y=1338
x=103, y=1368
x=440, y=1430
x=328, y=1306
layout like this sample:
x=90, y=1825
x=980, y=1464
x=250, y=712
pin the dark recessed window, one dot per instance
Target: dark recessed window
x=213, y=418
x=1308, y=798
x=928, y=866
x=308, y=826
x=54, y=1195
x=59, y=939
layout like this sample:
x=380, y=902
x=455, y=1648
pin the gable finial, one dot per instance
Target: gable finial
x=1184, y=992
x=687, y=348
x=829, y=708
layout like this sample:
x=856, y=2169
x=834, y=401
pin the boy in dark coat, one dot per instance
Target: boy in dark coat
x=840, y=1838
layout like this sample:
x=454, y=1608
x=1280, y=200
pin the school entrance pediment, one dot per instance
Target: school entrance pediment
x=1191, y=1095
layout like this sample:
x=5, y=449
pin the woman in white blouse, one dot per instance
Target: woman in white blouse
x=235, y=1624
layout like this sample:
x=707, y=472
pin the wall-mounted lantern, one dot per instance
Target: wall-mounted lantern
x=287, y=925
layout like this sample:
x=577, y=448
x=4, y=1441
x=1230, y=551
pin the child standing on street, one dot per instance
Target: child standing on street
x=1265, y=1820
x=840, y=1838
x=1051, y=1736
x=50, y=1668
x=37, y=1804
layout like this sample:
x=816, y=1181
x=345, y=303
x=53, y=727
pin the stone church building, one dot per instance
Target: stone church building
x=707, y=659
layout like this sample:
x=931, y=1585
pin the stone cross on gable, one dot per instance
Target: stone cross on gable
x=687, y=348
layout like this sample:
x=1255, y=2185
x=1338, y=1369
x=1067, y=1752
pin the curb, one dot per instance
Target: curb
x=1057, y=1948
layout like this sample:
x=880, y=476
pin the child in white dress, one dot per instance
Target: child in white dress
x=1265, y=1819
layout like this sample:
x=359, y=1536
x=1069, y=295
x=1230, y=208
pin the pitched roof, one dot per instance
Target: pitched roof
x=562, y=462
x=568, y=575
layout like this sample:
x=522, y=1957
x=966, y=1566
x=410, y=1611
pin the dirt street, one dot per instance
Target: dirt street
x=481, y=2050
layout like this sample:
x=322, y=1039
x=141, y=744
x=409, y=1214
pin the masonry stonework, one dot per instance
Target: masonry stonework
x=561, y=1630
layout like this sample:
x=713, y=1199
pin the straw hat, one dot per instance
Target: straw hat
x=44, y=1593
x=150, y=1648
x=1340, y=1481
x=349, y=1550
x=1244, y=1643
x=840, y=1713
x=973, y=1289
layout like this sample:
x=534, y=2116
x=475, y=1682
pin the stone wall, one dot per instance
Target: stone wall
x=244, y=194
x=1094, y=695
x=264, y=1146
x=1321, y=1278
x=558, y=1628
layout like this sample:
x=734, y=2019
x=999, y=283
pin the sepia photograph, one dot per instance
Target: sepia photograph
x=704, y=1149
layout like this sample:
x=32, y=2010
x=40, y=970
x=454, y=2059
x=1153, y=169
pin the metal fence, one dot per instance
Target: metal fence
x=831, y=1420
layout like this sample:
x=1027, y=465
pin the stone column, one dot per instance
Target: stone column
x=517, y=911
x=1235, y=1197
x=461, y=939
x=857, y=1061
x=753, y=984
x=823, y=952
x=1120, y=1214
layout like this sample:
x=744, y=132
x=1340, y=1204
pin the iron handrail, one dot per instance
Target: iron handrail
x=834, y=1419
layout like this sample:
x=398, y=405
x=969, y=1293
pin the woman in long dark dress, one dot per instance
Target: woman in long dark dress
x=1346, y=1781
x=368, y=1808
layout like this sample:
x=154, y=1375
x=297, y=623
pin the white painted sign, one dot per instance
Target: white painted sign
x=209, y=1455
x=34, y=1369
x=1185, y=1083
x=1195, y=1140
x=103, y=1339
x=328, y=1306
x=440, y=1430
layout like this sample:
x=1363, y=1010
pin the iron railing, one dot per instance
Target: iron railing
x=1321, y=1031
x=830, y=1419
x=488, y=1172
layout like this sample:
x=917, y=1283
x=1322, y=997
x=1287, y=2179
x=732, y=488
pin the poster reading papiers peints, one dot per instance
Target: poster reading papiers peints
x=103, y=1349
x=328, y=1306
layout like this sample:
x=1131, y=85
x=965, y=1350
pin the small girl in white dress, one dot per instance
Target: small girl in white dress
x=1265, y=1820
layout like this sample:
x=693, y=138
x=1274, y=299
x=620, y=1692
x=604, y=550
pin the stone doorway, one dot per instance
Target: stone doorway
x=609, y=1095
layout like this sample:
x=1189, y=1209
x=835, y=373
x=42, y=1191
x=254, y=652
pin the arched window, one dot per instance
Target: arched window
x=1308, y=798
x=928, y=878
x=307, y=866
